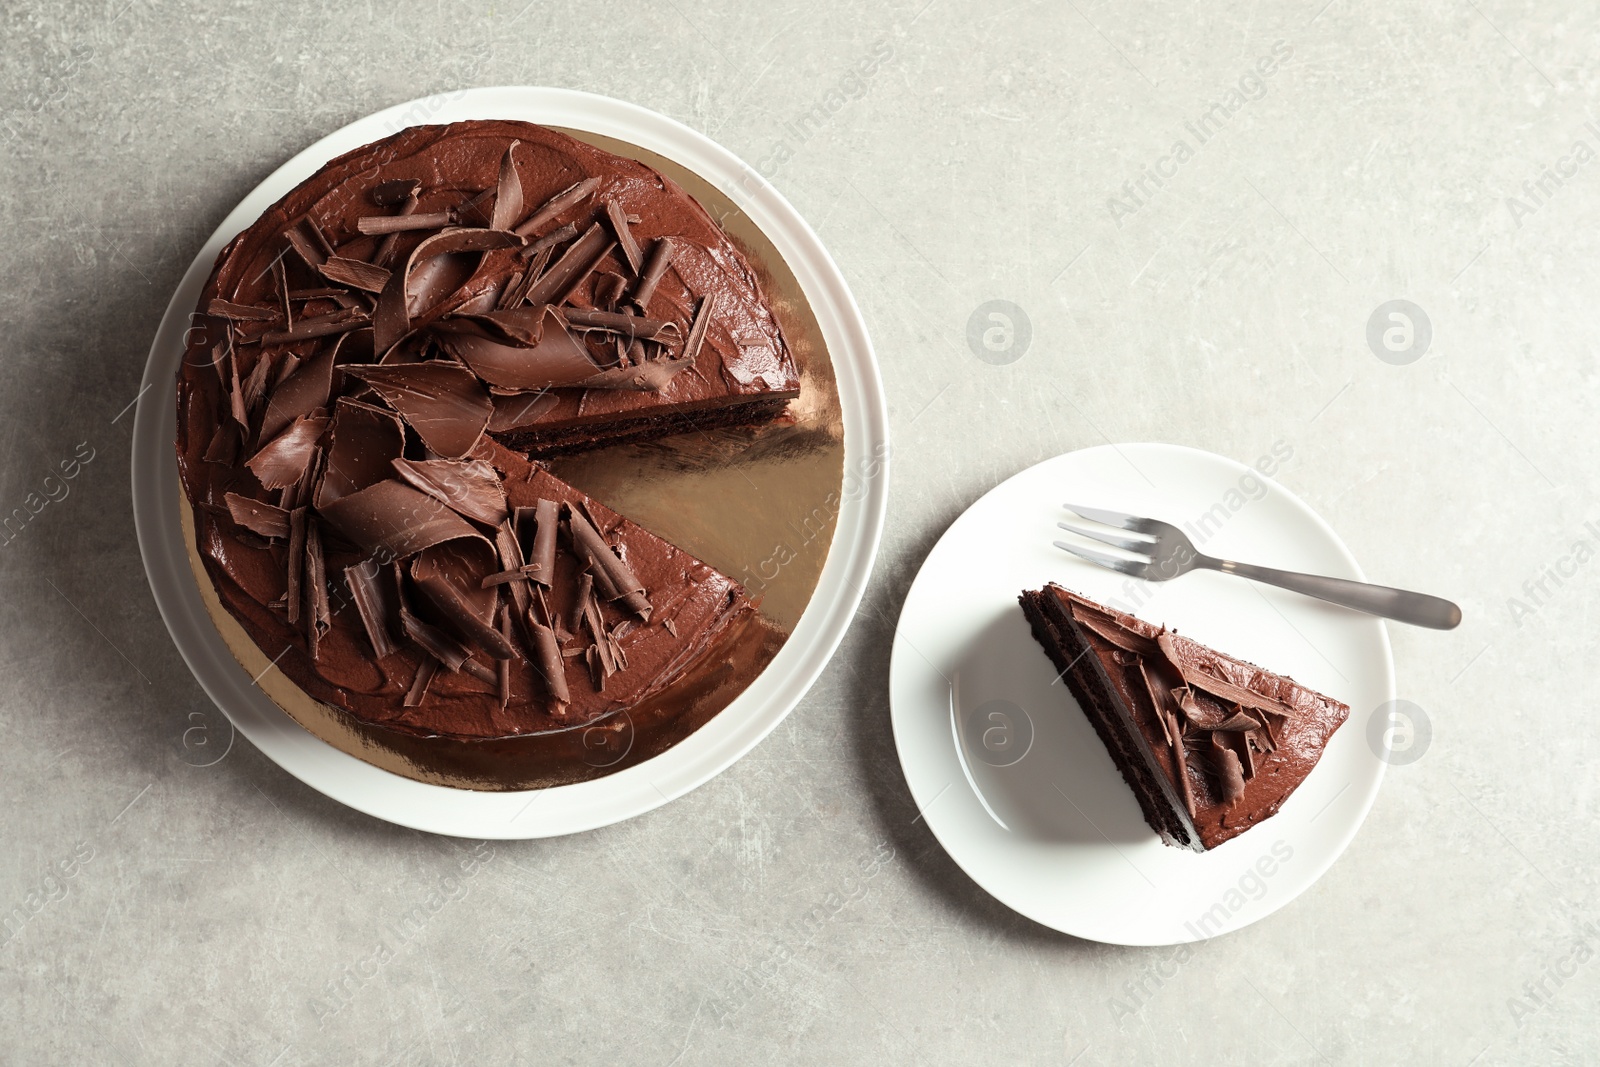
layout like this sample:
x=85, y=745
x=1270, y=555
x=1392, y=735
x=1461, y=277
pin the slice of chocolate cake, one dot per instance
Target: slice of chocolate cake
x=1211, y=745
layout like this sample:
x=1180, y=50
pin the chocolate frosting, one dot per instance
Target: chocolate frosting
x=355, y=351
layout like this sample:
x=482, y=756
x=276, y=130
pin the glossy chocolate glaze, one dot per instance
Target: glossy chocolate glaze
x=743, y=361
x=1111, y=684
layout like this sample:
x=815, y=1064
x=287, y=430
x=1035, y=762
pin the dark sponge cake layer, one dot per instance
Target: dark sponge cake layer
x=1210, y=744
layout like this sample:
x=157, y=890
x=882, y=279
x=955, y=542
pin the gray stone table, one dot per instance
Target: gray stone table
x=1440, y=153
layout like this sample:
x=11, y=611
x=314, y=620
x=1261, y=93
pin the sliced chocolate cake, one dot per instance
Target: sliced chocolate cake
x=371, y=367
x=1211, y=745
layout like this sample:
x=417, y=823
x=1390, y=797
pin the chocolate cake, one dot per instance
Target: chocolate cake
x=1211, y=745
x=377, y=367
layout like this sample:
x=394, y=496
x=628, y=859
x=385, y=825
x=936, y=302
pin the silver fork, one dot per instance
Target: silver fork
x=1166, y=553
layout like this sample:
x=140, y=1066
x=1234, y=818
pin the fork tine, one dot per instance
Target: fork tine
x=1104, y=559
x=1112, y=518
x=1130, y=544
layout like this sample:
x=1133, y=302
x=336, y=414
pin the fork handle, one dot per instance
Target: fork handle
x=1419, y=609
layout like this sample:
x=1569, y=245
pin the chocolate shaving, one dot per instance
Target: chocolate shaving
x=1117, y=635
x=625, y=238
x=302, y=392
x=356, y=274
x=651, y=377
x=341, y=321
x=508, y=194
x=542, y=565
x=471, y=487
x=1252, y=689
x=363, y=442
x=224, y=445
x=304, y=246
x=236, y=391
x=450, y=581
x=401, y=303
x=572, y=268
x=585, y=593
x=283, y=461
x=1230, y=776
x=670, y=626
x=376, y=604
x=633, y=327
x=510, y=553
x=392, y=520
x=226, y=309
x=606, y=561
x=443, y=402
x=557, y=204
x=255, y=386
x=1182, y=775
x=564, y=232
x=318, y=617
x=434, y=641
x=697, y=329
x=419, y=684
x=523, y=348
x=1237, y=721
x=547, y=659
x=297, y=551
x=408, y=206
x=258, y=516
x=661, y=254
x=383, y=224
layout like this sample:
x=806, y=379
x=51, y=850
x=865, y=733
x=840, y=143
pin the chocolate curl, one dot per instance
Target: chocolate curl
x=394, y=315
x=1229, y=773
x=566, y=198
x=547, y=655
x=619, y=225
x=503, y=667
x=655, y=267
x=572, y=268
x=419, y=684
x=342, y=321
x=585, y=593
x=391, y=520
x=505, y=542
x=226, y=309
x=546, y=517
x=508, y=195
x=470, y=487
x=601, y=556
x=355, y=274
x=385, y=224
x=360, y=446
x=633, y=327
x=283, y=460
x=1179, y=758
x=318, y=617
x=435, y=583
x=434, y=641
x=297, y=553
x=376, y=606
x=305, y=246
x=408, y=206
x=442, y=401
x=302, y=392
x=548, y=242
x=258, y=516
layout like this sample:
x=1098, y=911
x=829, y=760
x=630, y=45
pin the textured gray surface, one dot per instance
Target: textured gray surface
x=211, y=911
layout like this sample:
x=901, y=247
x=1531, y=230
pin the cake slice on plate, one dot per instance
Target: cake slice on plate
x=1209, y=744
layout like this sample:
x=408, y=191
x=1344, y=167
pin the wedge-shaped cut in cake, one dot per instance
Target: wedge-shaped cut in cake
x=1211, y=745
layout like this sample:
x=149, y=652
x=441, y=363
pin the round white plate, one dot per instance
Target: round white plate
x=713, y=748
x=1008, y=772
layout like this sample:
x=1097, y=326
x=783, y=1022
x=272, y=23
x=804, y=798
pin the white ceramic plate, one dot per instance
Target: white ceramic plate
x=1008, y=772
x=713, y=748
